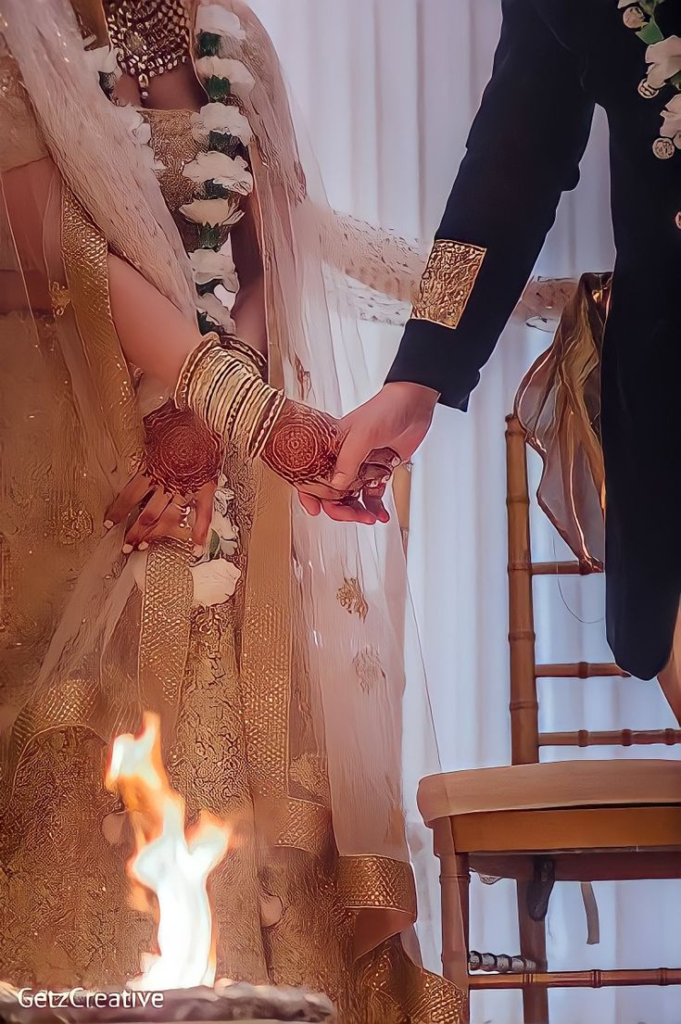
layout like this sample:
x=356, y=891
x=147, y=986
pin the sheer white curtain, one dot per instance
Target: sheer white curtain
x=388, y=89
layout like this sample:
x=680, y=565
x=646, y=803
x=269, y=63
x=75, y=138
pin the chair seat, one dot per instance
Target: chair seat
x=551, y=786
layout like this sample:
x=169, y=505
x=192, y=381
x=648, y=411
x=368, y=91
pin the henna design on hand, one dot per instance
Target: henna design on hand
x=304, y=445
x=182, y=454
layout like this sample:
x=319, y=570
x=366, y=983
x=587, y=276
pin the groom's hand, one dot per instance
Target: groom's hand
x=397, y=418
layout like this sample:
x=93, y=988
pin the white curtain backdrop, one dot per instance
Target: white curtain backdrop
x=388, y=89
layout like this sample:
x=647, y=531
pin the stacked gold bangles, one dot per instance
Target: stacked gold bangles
x=233, y=400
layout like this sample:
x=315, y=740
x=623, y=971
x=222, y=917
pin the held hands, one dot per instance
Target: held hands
x=339, y=466
x=303, y=449
x=396, y=420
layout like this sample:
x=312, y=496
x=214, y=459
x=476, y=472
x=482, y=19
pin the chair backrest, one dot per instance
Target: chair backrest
x=526, y=739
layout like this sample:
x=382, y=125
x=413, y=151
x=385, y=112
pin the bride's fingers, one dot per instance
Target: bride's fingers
x=147, y=519
x=373, y=502
x=350, y=511
x=176, y=522
x=132, y=494
x=312, y=505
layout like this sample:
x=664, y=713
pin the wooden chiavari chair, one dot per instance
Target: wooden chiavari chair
x=539, y=823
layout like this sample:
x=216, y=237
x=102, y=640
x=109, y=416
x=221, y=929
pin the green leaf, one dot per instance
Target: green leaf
x=218, y=88
x=214, y=546
x=209, y=236
x=651, y=33
x=214, y=190
x=208, y=44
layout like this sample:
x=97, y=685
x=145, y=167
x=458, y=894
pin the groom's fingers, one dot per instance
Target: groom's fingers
x=353, y=453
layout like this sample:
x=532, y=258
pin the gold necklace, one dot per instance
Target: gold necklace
x=151, y=36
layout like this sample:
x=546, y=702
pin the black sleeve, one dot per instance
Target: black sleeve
x=523, y=151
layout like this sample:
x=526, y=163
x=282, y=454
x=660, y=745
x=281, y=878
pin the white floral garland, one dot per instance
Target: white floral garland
x=221, y=128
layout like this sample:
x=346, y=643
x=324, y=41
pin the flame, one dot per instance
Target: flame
x=171, y=864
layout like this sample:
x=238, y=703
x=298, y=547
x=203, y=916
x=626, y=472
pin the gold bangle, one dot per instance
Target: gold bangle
x=180, y=395
x=231, y=399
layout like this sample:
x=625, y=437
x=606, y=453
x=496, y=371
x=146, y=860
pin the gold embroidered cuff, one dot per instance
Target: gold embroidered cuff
x=447, y=282
x=229, y=397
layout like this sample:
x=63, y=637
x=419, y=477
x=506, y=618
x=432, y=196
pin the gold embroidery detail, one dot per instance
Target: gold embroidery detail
x=309, y=771
x=303, y=825
x=86, y=262
x=174, y=146
x=75, y=524
x=351, y=597
x=377, y=882
x=369, y=670
x=266, y=641
x=164, y=639
x=59, y=297
x=402, y=991
x=447, y=282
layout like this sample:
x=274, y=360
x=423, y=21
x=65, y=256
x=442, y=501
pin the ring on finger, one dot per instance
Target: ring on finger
x=185, y=512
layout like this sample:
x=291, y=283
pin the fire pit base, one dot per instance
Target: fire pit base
x=250, y=1004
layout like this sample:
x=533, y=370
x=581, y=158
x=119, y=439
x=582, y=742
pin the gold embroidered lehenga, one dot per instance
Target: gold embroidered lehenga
x=276, y=659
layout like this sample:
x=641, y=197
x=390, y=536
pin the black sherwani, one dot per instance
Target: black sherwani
x=556, y=59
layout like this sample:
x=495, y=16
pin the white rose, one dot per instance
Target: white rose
x=137, y=125
x=665, y=61
x=231, y=172
x=226, y=531
x=240, y=78
x=216, y=312
x=212, y=212
x=671, y=116
x=215, y=19
x=224, y=496
x=102, y=60
x=214, y=582
x=221, y=117
x=207, y=265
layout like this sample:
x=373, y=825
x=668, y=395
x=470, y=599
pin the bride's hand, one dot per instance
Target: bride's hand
x=303, y=448
x=163, y=513
x=175, y=486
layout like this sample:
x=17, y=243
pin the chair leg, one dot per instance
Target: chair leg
x=532, y=946
x=455, y=883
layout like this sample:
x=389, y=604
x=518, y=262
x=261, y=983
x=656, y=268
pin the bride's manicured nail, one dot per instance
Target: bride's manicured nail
x=197, y=551
x=127, y=549
x=107, y=524
x=144, y=545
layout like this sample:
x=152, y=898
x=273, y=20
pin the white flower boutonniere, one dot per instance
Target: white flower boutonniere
x=671, y=116
x=664, y=59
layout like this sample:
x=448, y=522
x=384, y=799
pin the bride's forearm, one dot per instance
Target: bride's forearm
x=154, y=334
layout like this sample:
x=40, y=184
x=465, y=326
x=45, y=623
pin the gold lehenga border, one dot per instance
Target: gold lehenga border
x=85, y=254
x=448, y=282
x=377, y=883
